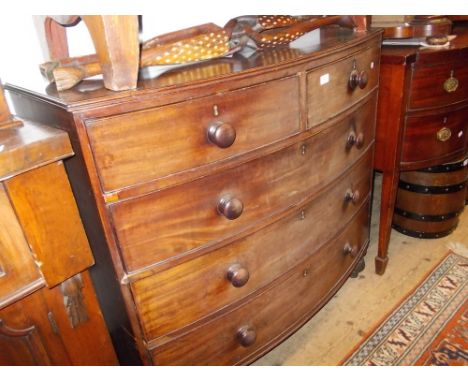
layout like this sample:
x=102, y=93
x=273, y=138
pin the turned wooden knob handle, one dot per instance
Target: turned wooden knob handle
x=238, y=275
x=357, y=78
x=363, y=79
x=221, y=134
x=352, y=196
x=355, y=139
x=246, y=335
x=350, y=250
x=231, y=208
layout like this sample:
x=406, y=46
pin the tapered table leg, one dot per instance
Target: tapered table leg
x=387, y=204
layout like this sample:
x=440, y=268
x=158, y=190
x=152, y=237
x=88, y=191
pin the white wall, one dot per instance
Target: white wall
x=21, y=52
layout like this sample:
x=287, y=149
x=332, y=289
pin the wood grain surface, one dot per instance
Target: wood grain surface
x=45, y=206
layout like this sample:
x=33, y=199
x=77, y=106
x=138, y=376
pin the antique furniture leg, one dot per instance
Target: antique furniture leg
x=388, y=150
x=387, y=204
x=116, y=41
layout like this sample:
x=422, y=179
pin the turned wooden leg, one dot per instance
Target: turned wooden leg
x=387, y=205
x=116, y=42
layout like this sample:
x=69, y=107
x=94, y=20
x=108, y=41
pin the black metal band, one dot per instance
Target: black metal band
x=421, y=189
x=448, y=167
x=423, y=235
x=427, y=218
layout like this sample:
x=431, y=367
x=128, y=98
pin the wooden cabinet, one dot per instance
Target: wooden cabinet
x=233, y=195
x=49, y=314
x=421, y=120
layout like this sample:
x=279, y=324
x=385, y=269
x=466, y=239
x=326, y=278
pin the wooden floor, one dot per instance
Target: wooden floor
x=361, y=303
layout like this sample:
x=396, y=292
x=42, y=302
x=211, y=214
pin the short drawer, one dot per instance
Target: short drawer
x=438, y=85
x=138, y=147
x=173, y=222
x=165, y=301
x=434, y=136
x=254, y=326
x=330, y=89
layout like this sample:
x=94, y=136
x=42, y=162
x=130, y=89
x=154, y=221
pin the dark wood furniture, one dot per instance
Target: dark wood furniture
x=49, y=314
x=233, y=195
x=421, y=119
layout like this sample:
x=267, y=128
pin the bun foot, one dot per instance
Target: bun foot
x=361, y=264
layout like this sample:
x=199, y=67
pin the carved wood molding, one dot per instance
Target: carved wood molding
x=27, y=342
x=10, y=332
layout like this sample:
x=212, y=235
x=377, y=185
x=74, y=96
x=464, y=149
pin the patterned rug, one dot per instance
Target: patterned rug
x=429, y=327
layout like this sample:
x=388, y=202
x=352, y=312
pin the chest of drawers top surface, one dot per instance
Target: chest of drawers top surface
x=180, y=83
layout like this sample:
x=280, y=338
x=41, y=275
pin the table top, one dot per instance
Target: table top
x=407, y=54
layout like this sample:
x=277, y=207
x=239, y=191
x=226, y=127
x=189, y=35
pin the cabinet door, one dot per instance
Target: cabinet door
x=18, y=272
x=21, y=346
x=29, y=334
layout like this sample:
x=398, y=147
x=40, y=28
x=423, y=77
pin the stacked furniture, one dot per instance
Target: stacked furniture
x=421, y=123
x=49, y=314
x=232, y=196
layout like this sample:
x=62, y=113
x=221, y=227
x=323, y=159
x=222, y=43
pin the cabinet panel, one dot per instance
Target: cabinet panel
x=18, y=271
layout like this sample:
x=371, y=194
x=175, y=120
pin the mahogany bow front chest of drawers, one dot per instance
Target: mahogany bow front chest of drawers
x=232, y=196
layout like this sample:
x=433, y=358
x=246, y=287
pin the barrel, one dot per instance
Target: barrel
x=429, y=201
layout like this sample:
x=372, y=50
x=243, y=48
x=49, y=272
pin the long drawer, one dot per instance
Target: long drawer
x=153, y=228
x=434, y=136
x=329, y=91
x=141, y=146
x=165, y=301
x=253, y=326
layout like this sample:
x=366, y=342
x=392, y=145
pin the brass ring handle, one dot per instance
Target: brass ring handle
x=231, y=208
x=221, y=134
x=246, y=336
x=444, y=134
x=350, y=250
x=237, y=275
x=352, y=196
x=451, y=83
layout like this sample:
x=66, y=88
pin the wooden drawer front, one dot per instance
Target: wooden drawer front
x=171, y=222
x=328, y=89
x=274, y=312
x=18, y=272
x=165, y=300
x=434, y=136
x=438, y=85
x=142, y=146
